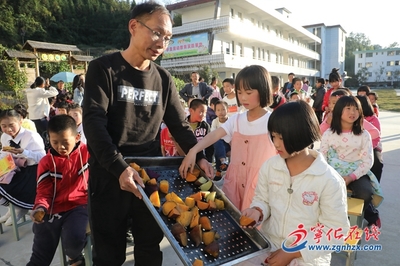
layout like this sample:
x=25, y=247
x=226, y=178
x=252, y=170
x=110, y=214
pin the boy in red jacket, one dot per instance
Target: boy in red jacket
x=60, y=208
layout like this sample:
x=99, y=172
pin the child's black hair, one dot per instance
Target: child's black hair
x=221, y=102
x=294, y=80
x=367, y=108
x=321, y=80
x=365, y=89
x=10, y=113
x=255, y=77
x=63, y=105
x=341, y=92
x=297, y=123
x=21, y=109
x=229, y=80
x=336, y=124
x=373, y=93
x=195, y=103
x=61, y=123
x=275, y=81
x=74, y=106
x=214, y=100
x=334, y=75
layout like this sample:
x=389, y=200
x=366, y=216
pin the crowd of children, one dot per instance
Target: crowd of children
x=52, y=186
x=260, y=182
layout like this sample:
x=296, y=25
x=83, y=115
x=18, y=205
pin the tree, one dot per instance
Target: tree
x=362, y=75
x=379, y=73
x=354, y=42
x=394, y=45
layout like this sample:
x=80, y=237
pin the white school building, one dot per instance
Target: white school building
x=227, y=35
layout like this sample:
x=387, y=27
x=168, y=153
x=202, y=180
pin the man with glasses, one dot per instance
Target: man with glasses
x=127, y=96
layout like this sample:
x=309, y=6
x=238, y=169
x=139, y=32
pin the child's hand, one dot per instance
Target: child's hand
x=187, y=164
x=281, y=258
x=329, y=118
x=16, y=151
x=347, y=179
x=206, y=167
x=253, y=214
x=37, y=215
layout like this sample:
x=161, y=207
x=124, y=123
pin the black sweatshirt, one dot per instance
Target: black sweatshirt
x=123, y=110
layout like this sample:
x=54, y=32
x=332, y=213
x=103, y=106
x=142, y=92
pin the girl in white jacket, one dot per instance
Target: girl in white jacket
x=299, y=199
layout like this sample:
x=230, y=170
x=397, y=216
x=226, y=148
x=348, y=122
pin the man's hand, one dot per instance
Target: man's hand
x=128, y=180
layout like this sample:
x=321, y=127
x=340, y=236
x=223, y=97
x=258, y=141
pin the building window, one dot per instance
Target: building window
x=369, y=74
x=390, y=53
x=396, y=63
x=263, y=54
x=398, y=52
x=359, y=65
x=390, y=63
x=252, y=21
x=254, y=52
x=369, y=54
x=233, y=48
x=259, y=53
x=240, y=45
x=368, y=64
x=360, y=55
x=389, y=74
x=240, y=16
x=227, y=50
x=263, y=26
x=341, y=51
x=268, y=56
x=232, y=14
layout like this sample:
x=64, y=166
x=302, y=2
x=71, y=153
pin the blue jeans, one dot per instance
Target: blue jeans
x=220, y=150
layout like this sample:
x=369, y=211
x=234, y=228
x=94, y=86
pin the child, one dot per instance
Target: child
x=62, y=108
x=318, y=97
x=373, y=97
x=298, y=188
x=168, y=147
x=369, y=115
x=210, y=116
x=363, y=90
x=220, y=147
x=230, y=96
x=372, y=130
x=26, y=145
x=278, y=98
x=201, y=128
x=215, y=88
x=335, y=81
x=248, y=134
x=26, y=123
x=75, y=110
x=61, y=195
x=348, y=148
x=294, y=96
x=298, y=87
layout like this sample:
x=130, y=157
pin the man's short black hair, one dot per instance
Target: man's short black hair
x=291, y=73
x=194, y=104
x=144, y=10
x=61, y=123
x=304, y=127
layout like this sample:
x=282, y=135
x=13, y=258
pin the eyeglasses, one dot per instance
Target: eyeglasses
x=157, y=35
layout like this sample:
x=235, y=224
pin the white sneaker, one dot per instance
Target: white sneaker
x=19, y=213
x=4, y=218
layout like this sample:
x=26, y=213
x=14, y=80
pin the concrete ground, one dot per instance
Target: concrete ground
x=17, y=253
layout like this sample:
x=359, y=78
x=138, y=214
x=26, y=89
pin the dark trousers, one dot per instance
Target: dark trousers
x=220, y=150
x=71, y=227
x=109, y=210
x=41, y=125
x=319, y=115
x=377, y=167
x=362, y=189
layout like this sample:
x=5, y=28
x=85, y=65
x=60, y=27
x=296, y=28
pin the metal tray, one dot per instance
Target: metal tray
x=236, y=244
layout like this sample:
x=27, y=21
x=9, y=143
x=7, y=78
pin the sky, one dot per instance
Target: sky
x=378, y=20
